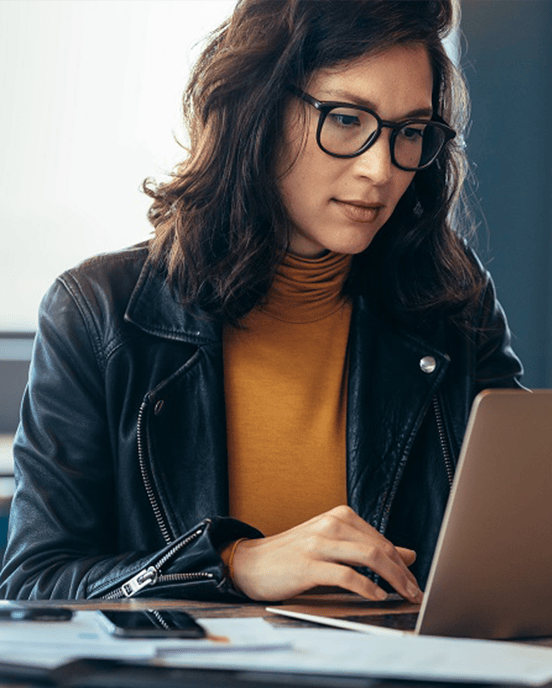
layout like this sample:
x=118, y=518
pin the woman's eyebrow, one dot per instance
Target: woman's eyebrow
x=348, y=97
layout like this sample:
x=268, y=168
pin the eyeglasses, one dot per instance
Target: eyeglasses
x=346, y=130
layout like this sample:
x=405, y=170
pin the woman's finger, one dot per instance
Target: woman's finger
x=407, y=555
x=337, y=575
x=342, y=524
x=382, y=558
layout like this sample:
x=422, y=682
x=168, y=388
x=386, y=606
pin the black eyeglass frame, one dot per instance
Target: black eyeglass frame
x=326, y=106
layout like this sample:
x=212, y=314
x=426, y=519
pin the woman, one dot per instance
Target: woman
x=295, y=352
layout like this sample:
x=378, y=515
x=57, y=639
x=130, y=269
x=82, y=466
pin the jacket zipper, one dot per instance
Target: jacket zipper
x=152, y=574
x=446, y=456
x=443, y=439
x=146, y=478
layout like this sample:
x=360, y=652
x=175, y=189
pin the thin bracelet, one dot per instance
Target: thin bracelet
x=230, y=562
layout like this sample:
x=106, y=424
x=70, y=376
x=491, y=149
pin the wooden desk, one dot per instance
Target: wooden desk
x=321, y=601
x=394, y=612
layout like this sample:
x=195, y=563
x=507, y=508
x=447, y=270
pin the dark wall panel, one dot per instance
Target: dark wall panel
x=507, y=60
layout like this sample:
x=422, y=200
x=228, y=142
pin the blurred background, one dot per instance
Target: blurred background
x=508, y=62
x=90, y=93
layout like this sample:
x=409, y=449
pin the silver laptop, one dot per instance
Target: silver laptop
x=491, y=575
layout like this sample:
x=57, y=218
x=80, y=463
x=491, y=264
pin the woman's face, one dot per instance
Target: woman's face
x=339, y=204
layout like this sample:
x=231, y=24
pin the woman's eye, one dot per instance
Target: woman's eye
x=346, y=120
x=413, y=133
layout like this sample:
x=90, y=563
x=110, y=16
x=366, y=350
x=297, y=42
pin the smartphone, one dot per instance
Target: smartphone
x=151, y=623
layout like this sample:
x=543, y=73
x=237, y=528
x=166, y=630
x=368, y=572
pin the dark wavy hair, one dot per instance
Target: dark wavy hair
x=220, y=226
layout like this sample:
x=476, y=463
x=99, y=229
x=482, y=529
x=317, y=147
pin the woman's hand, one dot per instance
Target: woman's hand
x=322, y=551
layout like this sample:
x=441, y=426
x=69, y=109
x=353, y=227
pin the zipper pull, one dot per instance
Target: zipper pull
x=141, y=580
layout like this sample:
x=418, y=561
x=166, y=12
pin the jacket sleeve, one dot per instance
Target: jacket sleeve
x=62, y=541
x=497, y=364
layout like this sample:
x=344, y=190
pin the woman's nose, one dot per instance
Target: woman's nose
x=375, y=163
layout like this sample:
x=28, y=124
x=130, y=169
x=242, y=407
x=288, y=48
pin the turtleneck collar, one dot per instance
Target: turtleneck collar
x=306, y=290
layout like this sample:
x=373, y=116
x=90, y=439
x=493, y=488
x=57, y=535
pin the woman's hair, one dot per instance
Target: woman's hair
x=220, y=223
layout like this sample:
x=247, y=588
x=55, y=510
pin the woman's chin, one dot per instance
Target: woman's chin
x=350, y=243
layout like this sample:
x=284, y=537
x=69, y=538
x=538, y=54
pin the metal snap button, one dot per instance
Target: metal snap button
x=428, y=364
x=158, y=407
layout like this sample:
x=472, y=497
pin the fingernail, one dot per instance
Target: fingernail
x=414, y=592
x=381, y=594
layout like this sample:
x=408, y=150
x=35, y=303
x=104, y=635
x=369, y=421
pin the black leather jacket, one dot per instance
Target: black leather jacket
x=120, y=458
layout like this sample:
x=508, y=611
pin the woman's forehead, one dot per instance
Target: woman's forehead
x=398, y=78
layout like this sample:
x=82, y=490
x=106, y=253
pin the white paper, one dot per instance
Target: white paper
x=231, y=635
x=54, y=642
x=49, y=644
x=325, y=651
x=254, y=644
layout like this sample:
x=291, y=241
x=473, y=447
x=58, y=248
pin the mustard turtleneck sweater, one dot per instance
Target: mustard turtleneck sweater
x=286, y=387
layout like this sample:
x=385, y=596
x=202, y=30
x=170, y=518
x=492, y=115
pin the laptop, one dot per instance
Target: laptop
x=491, y=574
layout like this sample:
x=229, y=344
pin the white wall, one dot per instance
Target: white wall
x=90, y=96
x=89, y=101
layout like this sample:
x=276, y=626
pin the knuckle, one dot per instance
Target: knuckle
x=327, y=523
x=343, y=512
x=388, y=550
x=373, y=554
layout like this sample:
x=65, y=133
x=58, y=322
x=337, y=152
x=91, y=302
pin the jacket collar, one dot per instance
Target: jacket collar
x=154, y=308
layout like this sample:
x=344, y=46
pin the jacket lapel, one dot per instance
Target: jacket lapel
x=185, y=418
x=388, y=396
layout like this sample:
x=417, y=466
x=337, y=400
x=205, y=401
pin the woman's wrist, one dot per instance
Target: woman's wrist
x=227, y=555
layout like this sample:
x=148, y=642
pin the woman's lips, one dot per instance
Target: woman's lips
x=360, y=212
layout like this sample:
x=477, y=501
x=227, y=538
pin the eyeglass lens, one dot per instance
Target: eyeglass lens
x=346, y=130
